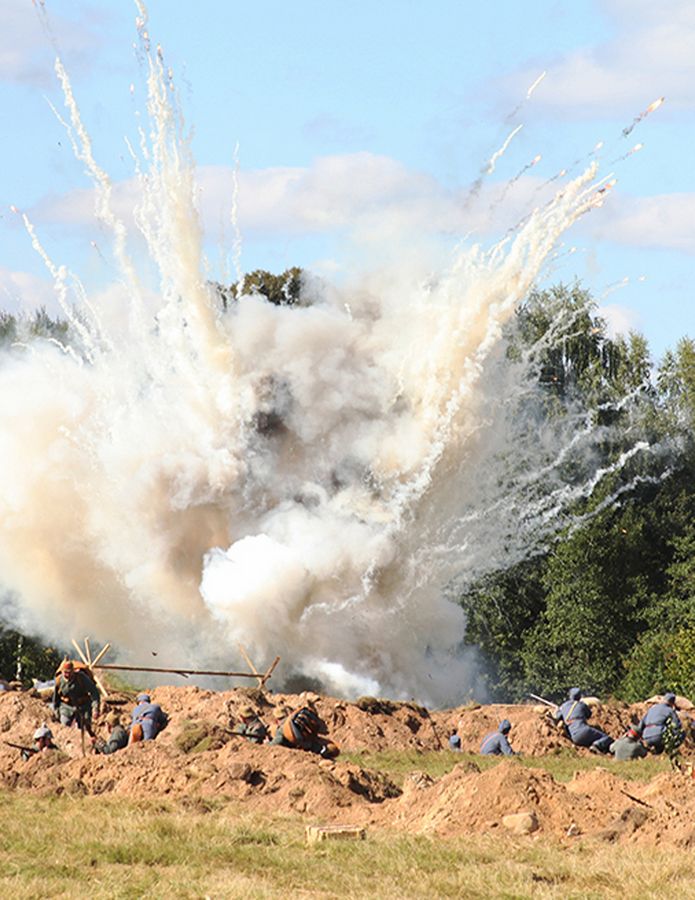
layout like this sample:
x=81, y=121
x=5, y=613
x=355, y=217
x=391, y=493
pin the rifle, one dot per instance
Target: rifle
x=561, y=724
x=30, y=750
x=544, y=701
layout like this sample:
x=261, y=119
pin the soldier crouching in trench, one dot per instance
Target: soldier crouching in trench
x=304, y=730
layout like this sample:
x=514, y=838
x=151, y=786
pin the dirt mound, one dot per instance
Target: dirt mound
x=596, y=804
x=533, y=732
x=197, y=757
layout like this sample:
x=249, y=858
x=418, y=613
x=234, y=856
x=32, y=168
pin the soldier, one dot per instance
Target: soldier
x=43, y=740
x=148, y=719
x=660, y=721
x=628, y=747
x=496, y=743
x=118, y=738
x=251, y=727
x=303, y=730
x=75, y=696
x=574, y=714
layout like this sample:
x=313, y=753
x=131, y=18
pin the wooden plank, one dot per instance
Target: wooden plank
x=317, y=833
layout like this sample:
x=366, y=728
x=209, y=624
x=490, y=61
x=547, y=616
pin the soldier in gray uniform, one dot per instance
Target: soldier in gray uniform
x=659, y=719
x=575, y=714
x=628, y=747
x=496, y=743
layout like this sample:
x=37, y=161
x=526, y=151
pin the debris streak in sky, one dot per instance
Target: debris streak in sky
x=643, y=115
x=496, y=155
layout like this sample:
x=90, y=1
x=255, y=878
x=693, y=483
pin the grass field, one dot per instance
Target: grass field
x=562, y=765
x=104, y=847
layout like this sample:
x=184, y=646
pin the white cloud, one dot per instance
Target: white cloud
x=363, y=195
x=619, y=319
x=651, y=55
x=24, y=292
x=29, y=45
x=375, y=198
x=660, y=222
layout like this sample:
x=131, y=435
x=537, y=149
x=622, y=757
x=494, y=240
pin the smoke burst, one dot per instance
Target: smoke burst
x=307, y=480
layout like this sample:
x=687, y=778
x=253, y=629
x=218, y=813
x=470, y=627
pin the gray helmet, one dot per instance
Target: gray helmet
x=670, y=698
x=43, y=732
x=143, y=698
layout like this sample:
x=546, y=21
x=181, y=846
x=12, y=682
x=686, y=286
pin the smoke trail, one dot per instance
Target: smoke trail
x=305, y=480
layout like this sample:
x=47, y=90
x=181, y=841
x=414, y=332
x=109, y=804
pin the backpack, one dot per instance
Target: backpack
x=308, y=722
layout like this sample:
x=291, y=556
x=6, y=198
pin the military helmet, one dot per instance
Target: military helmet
x=43, y=732
x=143, y=698
x=247, y=712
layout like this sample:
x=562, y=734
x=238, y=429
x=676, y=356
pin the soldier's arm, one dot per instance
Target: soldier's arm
x=506, y=747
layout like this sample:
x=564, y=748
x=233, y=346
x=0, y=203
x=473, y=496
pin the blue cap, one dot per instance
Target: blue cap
x=505, y=726
x=575, y=694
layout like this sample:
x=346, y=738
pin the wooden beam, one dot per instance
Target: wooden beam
x=271, y=669
x=259, y=677
x=79, y=650
x=180, y=671
x=100, y=654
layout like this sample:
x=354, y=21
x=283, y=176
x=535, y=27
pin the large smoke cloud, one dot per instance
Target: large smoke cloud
x=305, y=480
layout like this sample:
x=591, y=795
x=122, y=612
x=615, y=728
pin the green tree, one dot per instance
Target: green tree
x=26, y=657
x=282, y=290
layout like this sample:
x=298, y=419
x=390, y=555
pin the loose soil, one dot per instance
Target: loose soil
x=197, y=759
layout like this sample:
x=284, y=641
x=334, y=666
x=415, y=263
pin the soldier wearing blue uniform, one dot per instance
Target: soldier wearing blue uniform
x=574, y=714
x=148, y=719
x=496, y=743
x=657, y=720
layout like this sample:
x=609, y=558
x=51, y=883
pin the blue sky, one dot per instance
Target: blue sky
x=360, y=122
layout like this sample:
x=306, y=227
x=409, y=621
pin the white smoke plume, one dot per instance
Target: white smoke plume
x=306, y=480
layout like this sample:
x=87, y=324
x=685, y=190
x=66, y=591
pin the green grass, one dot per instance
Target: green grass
x=108, y=848
x=562, y=766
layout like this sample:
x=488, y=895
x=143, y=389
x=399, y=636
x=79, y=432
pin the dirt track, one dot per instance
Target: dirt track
x=196, y=758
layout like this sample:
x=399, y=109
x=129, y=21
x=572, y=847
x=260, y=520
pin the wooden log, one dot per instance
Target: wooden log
x=271, y=669
x=100, y=654
x=180, y=671
x=251, y=666
x=79, y=650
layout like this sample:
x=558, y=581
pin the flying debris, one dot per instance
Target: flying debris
x=535, y=84
x=496, y=155
x=634, y=149
x=643, y=115
x=603, y=190
x=534, y=162
x=616, y=286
